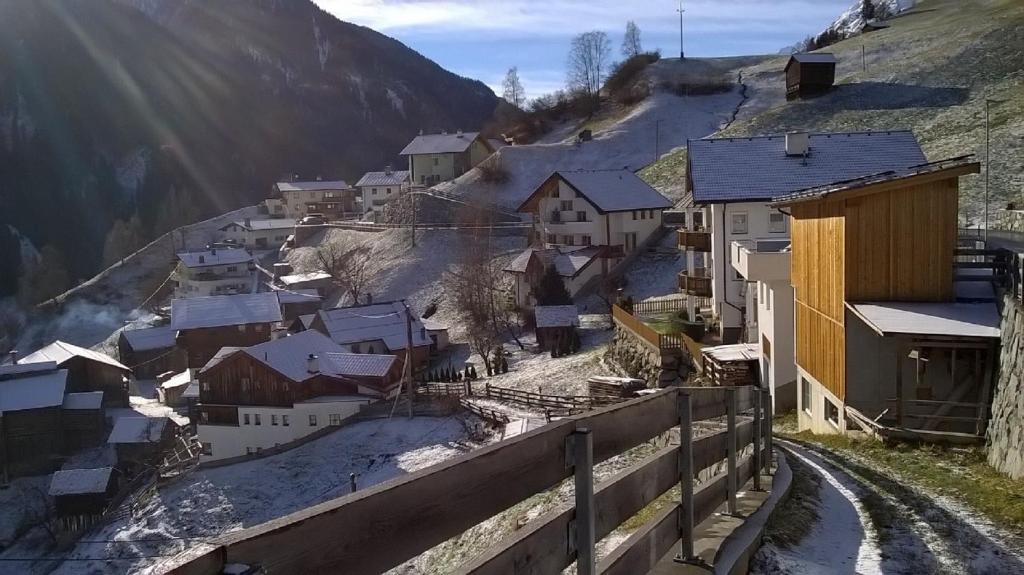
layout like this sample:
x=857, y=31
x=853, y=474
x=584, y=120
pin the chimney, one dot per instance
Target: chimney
x=14, y=356
x=458, y=134
x=797, y=144
x=313, y=364
x=387, y=170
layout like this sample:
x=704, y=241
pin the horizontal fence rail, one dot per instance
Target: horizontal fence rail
x=668, y=342
x=382, y=526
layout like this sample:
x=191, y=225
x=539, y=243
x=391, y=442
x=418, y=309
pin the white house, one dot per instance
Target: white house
x=377, y=188
x=743, y=243
x=215, y=272
x=298, y=199
x=613, y=212
x=376, y=328
x=259, y=234
x=275, y=393
x=577, y=265
x=435, y=158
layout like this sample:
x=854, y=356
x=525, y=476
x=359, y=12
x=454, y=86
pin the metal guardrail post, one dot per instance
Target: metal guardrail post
x=758, y=428
x=580, y=448
x=685, y=407
x=730, y=399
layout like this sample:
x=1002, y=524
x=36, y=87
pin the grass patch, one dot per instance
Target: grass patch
x=960, y=473
x=666, y=173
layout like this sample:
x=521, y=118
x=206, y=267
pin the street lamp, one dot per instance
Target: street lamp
x=988, y=165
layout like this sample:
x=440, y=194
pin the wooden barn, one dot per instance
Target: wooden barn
x=556, y=325
x=809, y=74
x=83, y=420
x=31, y=436
x=299, y=302
x=81, y=495
x=150, y=351
x=140, y=441
x=204, y=325
x=88, y=370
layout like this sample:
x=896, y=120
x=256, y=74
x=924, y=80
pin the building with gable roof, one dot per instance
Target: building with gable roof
x=31, y=434
x=378, y=188
x=809, y=74
x=214, y=271
x=88, y=370
x=150, y=351
x=376, y=328
x=204, y=325
x=436, y=158
x=297, y=199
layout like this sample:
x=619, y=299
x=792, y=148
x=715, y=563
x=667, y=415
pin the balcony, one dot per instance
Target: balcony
x=695, y=283
x=698, y=241
x=762, y=260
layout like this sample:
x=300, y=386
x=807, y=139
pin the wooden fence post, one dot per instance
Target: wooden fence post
x=730, y=398
x=758, y=428
x=685, y=407
x=352, y=482
x=580, y=448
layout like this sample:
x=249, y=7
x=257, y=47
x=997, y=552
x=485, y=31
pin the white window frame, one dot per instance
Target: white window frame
x=733, y=228
x=777, y=227
x=808, y=401
x=828, y=403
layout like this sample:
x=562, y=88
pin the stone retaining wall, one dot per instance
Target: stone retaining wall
x=1006, y=427
x=644, y=361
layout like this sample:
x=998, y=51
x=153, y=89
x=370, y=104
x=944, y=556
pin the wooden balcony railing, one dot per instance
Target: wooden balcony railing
x=694, y=283
x=699, y=241
x=378, y=528
x=662, y=341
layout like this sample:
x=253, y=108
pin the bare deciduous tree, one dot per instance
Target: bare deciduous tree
x=631, y=41
x=349, y=268
x=513, y=88
x=588, y=60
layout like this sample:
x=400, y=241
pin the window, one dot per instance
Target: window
x=570, y=240
x=650, y=214
x=330, y=206
x=805, y=396
x=256, y=418
x=245, y=419
x=739, y=224
x=831, y=412
x=643, y=214
x=777, y=223
x=241, y=328
x=768, y=299
x=204, y=386
x=273, y=419
x=207, y=448
x=232, y=268
x=373, y=191
x=552, y=239
x=435, y=161
x=335, y=419
x=312, y=420
x=566, y=205
x=249, y=450
x=581, y=216
x=388, y=190
x=634, y=214
x=284, y=420
x=585, y=240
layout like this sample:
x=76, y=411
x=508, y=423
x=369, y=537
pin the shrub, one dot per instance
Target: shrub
x=492, y=171
x=621, y=82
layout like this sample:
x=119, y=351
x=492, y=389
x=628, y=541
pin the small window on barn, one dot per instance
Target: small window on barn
x=805, y=396
x=284, y=420
x=245, y=419
x=241, y=328
x=207, y=448
x=312, y=420
x=335, y=419
x=739, y=224
x=273, y=419
x=831, y=412
x=256, y=418
x=776, y=223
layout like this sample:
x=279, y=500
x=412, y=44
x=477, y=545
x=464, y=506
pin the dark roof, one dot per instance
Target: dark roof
x=392, y=178
x=569, y=261
x=454, y=143
x=726, y=170
x=615, y=190
x=316, y=185
x=812, y=58
x=225, y=310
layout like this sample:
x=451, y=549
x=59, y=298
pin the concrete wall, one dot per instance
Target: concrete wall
x=811, y=414
x=775, y=325
x=1005, y=441
x=644, y=361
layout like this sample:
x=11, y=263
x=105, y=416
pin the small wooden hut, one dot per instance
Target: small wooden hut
x=809, y=74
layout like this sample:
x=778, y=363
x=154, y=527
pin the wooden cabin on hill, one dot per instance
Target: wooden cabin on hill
x=809, y=74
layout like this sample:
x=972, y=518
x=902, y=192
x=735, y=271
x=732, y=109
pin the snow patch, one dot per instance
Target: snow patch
x=322, y=45
x=130, y=170
x=396, y=101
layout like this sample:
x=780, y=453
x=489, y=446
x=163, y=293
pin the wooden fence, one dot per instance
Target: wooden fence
x=380, y=527
x=659, y=306
x=566, y=404
x=666, y=342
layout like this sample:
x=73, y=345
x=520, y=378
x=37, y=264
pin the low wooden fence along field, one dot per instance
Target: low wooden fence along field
x=382, y=526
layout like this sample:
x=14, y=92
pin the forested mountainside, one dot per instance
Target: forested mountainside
x=172, y=110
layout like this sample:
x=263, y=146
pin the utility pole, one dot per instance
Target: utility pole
x=657, y=139
x=408, y=355
x=863, y=59
x=682, y=54
x=412, y=197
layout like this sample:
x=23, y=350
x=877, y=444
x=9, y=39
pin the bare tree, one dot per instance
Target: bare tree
x=349, y=268
x=40, y=512
x=588, y=60
x=513, y=88
x=631, y=41
x=45, y=279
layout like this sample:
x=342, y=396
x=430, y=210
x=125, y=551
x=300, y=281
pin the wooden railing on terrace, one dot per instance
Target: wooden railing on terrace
x=694, y=283
x=380, y=527
x=699, y=241
x=663, y=341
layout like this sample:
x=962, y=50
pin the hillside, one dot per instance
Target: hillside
x=179, y=110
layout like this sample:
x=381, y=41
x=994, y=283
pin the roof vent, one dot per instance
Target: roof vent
x=387, y=170
x=458, y=134
x=797, y=143
x=313, y=364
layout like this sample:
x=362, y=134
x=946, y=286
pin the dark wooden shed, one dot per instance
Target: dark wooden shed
x=88, y=370
x=83, y=420
x=81, y=495
x=150, y=351
x=809, y=74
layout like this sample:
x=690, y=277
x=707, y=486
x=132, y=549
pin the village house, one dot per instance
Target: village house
x=437, y=333
x=215, y=272
x=281, y=391
x=296, y=302
x=170, y=389
x=436, y=158
x=379, y=328
x=83, y=420
x=319, y=281
x=295, y=200
x=258, y=234
x=31, y=435
x=80, y=496
x=150, y=351
x=140, y=441
x=732, y=231
x=586, y=224
x=809, y=74
x=88, y=370
x=377, y=188
x=887, y=337
x=204, y=325
x=555, y=325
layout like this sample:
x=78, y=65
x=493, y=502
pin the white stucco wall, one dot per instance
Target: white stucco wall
x=274, y=238
x=603, y=229
x=775, y=324
x=378, y=194
x=811, y=415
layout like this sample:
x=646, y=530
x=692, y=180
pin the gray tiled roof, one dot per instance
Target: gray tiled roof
x=62, y=351
x=381, y=321
x=757, y=168
x=615, y=190
x=33, y=391
x=392, y=178
x=149, y=338
x=359, y=364
x=219, y=257
x=568, y=260
x=315, y=185
x=225, y=310
x=454, y=143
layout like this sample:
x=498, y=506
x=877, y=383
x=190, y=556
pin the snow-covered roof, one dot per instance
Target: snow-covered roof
x=137, y=430
x=557, y=316
x=381, y=321
x=315, y=185
x=61, y=352
x=270, y=224
x=298, y=296
x=358, y=364
x=392, y=178
x=80, y=481
x=191, y=391
x=224, y=256
x=83, y=400
x=150, y=338
x=733, y=352
x=178, y=380
x=454, y=143
x=10, y=371
x=569, y=261
x=759, y=169
x=928, y=318
x=225, y=310
x=433, y=324
x=304, y=277
x=35, y=391
x=611, y=190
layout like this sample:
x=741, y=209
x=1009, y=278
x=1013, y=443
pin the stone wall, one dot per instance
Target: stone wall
x=1006, y=428
x=644, y=361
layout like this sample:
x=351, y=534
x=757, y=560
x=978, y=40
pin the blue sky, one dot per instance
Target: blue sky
x=482, y=38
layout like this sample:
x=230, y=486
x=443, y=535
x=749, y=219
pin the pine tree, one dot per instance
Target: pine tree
x=551, y=289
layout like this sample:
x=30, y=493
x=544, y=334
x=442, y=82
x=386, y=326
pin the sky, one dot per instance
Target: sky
x=482, y=39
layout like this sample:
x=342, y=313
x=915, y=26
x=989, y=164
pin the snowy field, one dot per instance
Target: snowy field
x=208, y=503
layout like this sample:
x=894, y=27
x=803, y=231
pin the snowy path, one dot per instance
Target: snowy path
x=869, y=523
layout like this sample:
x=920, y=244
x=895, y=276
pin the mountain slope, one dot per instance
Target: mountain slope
x=108, y=106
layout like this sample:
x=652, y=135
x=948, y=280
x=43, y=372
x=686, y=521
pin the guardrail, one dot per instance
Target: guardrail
x=378, y=528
